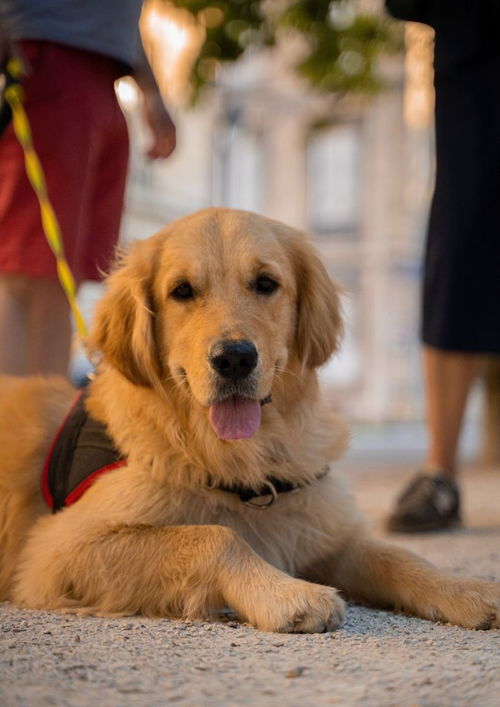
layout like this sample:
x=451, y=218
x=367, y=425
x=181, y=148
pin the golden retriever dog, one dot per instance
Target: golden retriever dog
x=211, y=333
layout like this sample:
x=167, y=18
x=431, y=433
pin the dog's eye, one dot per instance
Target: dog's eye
x=183, y=291
x=265, y=285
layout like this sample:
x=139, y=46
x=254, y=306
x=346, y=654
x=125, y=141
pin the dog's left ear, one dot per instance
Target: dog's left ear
x=124, y=328
x=319, y=319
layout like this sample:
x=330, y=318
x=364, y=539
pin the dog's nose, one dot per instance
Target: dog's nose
x=234, y=359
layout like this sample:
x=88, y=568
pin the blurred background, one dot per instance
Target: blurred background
x=319, y=114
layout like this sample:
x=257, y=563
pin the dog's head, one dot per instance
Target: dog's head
x=218, y=304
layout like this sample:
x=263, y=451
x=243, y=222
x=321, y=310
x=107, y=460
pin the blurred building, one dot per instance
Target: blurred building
x=356, y=176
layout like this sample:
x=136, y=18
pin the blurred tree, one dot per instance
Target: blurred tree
x=340, y=43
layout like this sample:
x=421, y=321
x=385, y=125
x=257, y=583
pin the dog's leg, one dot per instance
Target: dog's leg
x=387, y=576
x=188, y=571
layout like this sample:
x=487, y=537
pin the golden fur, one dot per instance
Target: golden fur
x=157, y=537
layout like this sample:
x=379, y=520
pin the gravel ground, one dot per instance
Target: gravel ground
x=376, y=658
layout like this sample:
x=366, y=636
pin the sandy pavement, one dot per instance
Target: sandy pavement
x=376, y=658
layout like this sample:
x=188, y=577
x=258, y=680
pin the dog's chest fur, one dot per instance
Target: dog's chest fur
x=296, y=531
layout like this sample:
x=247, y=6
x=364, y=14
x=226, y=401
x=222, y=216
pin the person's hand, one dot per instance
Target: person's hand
x=160, y=123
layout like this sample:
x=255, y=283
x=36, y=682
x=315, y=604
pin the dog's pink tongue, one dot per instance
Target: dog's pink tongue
x=235, y=418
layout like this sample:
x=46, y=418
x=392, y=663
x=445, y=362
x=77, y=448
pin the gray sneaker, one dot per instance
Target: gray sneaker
x=427, y=503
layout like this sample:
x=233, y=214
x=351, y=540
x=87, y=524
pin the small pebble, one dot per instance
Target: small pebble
x=296, y=672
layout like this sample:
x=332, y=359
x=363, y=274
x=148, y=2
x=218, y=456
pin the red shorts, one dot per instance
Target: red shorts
x=80, y=136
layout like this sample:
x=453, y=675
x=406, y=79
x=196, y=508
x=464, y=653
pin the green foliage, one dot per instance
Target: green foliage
x=341, y=45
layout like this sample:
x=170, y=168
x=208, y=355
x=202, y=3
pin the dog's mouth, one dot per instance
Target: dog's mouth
x=234, y=408
x=235, y=417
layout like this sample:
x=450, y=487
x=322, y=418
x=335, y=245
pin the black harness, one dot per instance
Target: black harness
x=82, y=450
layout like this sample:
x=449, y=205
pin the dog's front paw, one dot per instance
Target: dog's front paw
x=471, y=604
x=295, y=606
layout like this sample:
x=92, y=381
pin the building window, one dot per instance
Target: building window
x=238, y=168
x=333, y=180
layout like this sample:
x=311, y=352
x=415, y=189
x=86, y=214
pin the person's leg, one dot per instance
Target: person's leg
x=431, y=500
x=49, y=333
x=36, y=318
x=448, y=379
x=70, y=91
x=34, y=314
x=13, y=318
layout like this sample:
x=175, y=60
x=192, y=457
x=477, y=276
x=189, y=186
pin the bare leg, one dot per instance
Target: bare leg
x=13, y=324
x=432, y=500
x=448, y=379
x=35, y=322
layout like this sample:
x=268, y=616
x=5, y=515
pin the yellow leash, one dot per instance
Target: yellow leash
x=14, y=97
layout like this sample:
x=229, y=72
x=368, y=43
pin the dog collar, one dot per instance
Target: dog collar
x=269, y=490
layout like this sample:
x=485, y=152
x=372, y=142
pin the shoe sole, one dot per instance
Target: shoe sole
x=394, y=527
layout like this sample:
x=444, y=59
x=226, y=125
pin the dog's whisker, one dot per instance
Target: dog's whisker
x=287, y=371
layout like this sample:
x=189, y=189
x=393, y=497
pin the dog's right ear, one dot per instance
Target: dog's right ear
x=124, y=329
